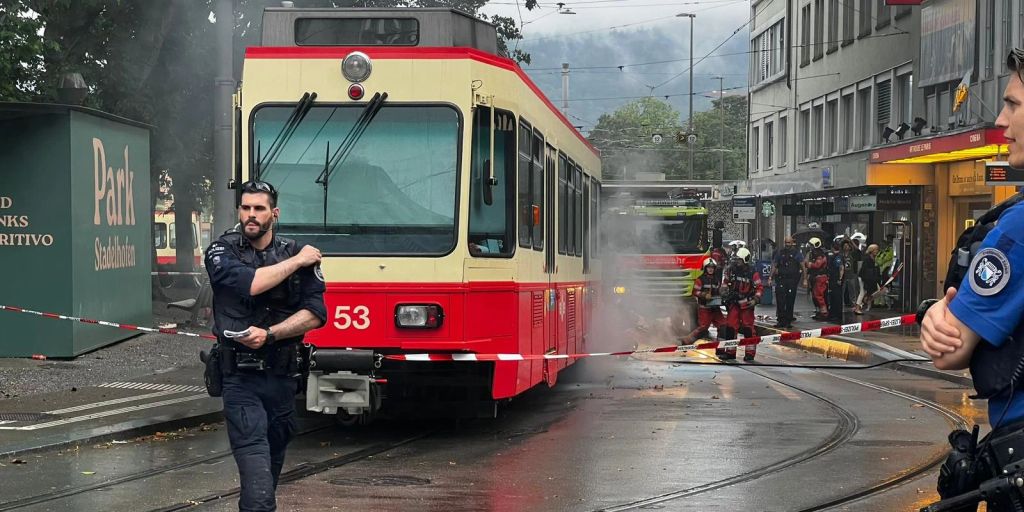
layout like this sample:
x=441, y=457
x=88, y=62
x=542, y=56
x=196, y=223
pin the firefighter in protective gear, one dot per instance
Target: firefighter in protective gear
x=817, y=277
x=742, y=291
x=707, y=290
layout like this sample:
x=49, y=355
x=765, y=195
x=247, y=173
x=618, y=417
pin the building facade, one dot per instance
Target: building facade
x=852, y=123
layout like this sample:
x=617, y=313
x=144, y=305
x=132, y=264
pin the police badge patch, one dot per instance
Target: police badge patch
x=990, y=272
x=319, y=273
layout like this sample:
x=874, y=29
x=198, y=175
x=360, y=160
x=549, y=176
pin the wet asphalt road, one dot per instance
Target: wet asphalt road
x=613, y=435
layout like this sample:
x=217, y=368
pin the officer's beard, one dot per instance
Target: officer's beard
x=263, y=228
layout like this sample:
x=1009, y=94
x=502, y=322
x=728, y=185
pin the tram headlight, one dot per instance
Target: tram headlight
x=418, y=316
x=619, y=290
x=356, y=67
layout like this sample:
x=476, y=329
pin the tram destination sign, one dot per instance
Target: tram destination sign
x=1000, y=173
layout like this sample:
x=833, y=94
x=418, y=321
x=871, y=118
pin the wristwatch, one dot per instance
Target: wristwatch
x=270, y=336
x=923, y=308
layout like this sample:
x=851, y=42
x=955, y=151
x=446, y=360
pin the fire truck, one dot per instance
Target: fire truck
x=655, y=240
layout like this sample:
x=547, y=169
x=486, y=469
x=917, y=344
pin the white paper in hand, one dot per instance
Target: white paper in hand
x=236, y=334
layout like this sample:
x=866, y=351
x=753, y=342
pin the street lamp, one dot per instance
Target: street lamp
x=690, y=122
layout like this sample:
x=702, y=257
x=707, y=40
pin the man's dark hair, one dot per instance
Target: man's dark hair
x=1015, y=62
x=261, y=187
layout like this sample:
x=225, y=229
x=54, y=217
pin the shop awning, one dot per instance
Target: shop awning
x=970, y=145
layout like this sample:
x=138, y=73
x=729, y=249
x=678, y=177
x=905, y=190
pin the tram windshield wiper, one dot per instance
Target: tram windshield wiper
x=281, y=140
x=331, y=162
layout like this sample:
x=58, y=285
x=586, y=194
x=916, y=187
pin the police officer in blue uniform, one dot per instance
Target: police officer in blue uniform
x=267, y=293
x=980, y=325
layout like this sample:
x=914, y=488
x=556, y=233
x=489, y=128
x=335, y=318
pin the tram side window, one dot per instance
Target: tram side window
x=563, y=217
x=578, y=203
x=491, y=226
x=537, y=187
x=570, y=209
x=160, y=235
x=595, y=218
x=586, y=224
x=525, y=210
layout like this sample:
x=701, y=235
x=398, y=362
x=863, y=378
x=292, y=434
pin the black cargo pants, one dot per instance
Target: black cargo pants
x=259, y=407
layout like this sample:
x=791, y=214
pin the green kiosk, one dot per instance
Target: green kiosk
x=75, y=227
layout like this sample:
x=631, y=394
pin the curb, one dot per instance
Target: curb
x=136, y=428
x=935, y=374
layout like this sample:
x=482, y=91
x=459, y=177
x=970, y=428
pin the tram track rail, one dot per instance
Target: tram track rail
x=847, y=426
x=293, y=474
x=303, y=471
x=831, y=443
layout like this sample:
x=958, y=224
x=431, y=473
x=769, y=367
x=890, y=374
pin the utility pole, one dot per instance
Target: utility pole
x=690, y=122
x=565, y=89
x=224, y=87
x=721, y=139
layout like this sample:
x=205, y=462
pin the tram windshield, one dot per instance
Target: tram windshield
x=630, y=234
x=394, y=194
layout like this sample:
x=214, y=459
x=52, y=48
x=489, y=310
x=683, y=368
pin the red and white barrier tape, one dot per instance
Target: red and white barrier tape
x=176, y=273
x=108, y=324
x=831, y=330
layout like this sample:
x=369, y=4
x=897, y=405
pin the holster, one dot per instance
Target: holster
x=961, y=472
x=213, y=373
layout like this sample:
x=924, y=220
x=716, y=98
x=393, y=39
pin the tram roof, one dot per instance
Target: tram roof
x=428, y=27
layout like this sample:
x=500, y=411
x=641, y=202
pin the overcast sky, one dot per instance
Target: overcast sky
x=625, y=33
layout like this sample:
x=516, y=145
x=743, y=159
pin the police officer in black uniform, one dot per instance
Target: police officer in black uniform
x=787, y=272
x=267, y=293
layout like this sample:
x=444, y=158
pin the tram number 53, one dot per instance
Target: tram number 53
x=348, y=316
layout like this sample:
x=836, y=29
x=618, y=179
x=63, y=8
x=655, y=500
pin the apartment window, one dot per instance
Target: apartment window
x=805, y=134
x=831, y=127
x=884, y=15
x=805, y=35
x=833, y=25
x=846, y=121
x=865, y=17
x=755, y=154
x=769, y=144
x=849, y=15
x=883, y=98
x=864, y=117
x=768, y=50
x=990, y=38
x=783, y=137
x=905, y=88
x=819, y=28
x=818, y=120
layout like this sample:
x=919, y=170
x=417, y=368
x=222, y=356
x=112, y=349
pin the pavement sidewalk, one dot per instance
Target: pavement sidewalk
x=865, y=347
x=149, y=383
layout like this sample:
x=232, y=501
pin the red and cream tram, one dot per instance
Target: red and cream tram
x=455, y=205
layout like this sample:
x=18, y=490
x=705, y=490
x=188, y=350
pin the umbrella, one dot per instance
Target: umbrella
x=804, y=235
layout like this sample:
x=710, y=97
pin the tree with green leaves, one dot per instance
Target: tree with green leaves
x=628, y=139
x=712, y=150
x=151, y=61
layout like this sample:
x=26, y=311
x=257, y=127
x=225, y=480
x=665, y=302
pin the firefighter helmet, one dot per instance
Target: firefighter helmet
x=815, y=242
x=858, y=237
x=737, y=244
x=709, y=262
x=744, y=254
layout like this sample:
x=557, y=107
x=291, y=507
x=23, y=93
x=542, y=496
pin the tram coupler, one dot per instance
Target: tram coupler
x=342, y=380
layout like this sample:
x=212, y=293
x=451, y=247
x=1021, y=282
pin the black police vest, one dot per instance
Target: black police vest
x=788, y=267
x=993, y=369
x=234, y=312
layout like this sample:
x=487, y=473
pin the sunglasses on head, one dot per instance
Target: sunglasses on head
x=252, y=187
